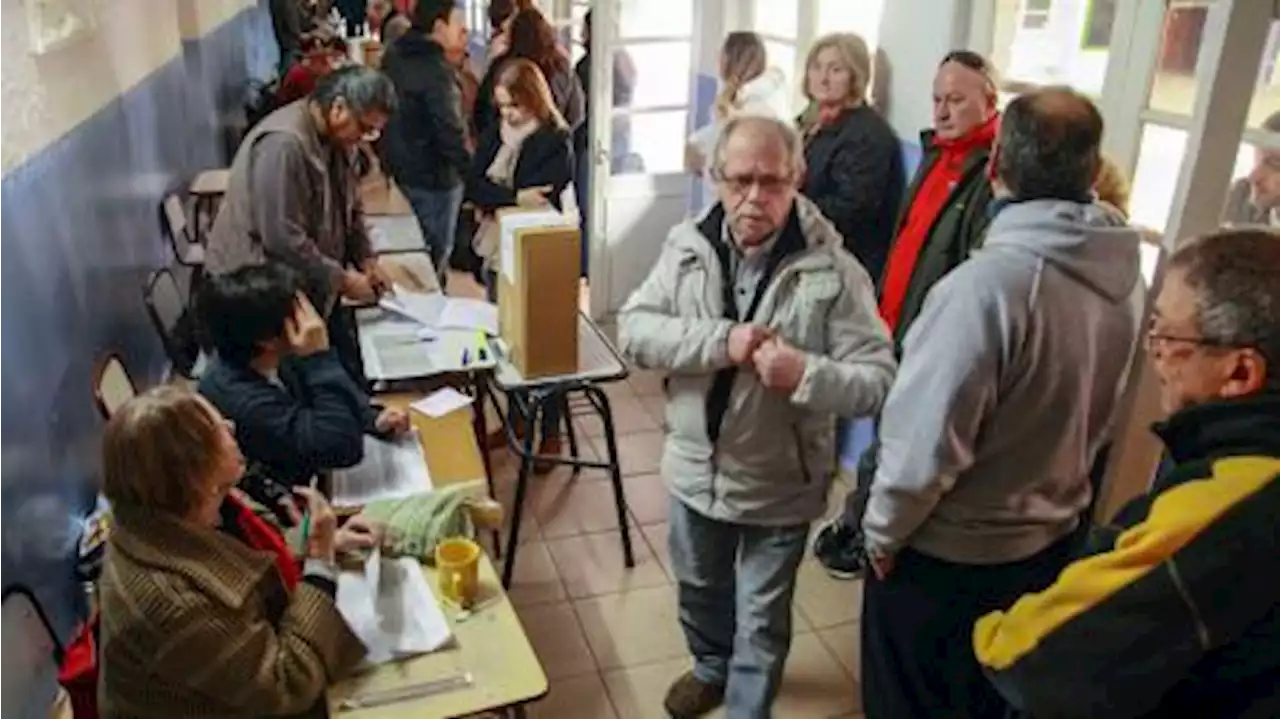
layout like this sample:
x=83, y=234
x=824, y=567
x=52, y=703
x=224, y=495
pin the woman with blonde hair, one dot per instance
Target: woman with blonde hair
x=1111, y=186
x=204, y=609
x=747, y=86
x=854, y=159
x=526, y=160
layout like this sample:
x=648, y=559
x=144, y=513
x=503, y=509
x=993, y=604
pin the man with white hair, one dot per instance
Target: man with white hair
x=767, y=329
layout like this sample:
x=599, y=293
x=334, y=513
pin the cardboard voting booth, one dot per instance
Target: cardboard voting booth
x=538, y=261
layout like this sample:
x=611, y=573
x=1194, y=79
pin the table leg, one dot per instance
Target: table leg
x=529, y=411
x=517, y=711
x=480, y=423
x=601, y=401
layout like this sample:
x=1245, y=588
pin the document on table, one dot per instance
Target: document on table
x=390, y=470
x=442, y=402
x=437, y=311
x=391, y=609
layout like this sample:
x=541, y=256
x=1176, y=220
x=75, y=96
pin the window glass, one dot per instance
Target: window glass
x=649, y=142
x=777, y=18
x=662, y=73
x=1046, y=42
x=1155, y=179
x=647, y=18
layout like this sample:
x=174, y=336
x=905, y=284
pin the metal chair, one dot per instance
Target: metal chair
x=112, y=386
x=187, y=249
x=173, y=322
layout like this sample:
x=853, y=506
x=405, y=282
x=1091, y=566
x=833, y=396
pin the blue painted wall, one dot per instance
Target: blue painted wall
x=81, y=233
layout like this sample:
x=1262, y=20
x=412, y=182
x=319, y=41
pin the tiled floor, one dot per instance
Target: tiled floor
x=607, y=636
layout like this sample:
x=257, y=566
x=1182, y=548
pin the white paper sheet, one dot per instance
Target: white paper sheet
x=513, y=221
x=390, y=470
x=464, y=314
x=442, y=402
x=396, y=617
x=421, y=307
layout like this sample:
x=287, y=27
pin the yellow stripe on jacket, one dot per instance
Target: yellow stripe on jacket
x=1001, y=638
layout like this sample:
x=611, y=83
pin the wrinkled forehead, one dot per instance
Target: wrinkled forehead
x=756, y=152
x=1176, y=303
x=953, y=77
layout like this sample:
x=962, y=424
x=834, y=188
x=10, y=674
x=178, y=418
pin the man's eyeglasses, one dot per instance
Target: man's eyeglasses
x=742, y=184
x=1154, y=337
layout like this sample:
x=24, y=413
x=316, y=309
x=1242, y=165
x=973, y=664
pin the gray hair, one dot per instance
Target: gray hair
x=1235, y=275
x=781, y=130
x=1050, y=145
x=363, y=89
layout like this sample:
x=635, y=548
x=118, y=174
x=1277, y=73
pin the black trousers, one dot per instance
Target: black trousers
x=345, y=343
x=917, y=632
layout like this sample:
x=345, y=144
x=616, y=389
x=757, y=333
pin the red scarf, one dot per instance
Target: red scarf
x=929, y=202
x=256, y=533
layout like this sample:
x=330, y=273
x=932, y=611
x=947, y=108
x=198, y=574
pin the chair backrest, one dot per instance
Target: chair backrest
x=32, y=654
x=112, y=386
x=168, y=312
x=175, y=218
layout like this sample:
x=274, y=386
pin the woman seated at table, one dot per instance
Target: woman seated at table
x=204, y=610
x=525, y=160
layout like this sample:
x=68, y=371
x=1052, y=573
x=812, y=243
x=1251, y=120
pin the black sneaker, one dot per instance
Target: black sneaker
x=840, y=550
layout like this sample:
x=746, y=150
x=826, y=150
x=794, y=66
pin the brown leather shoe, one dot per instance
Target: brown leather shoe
x=549, y=446
x=689, y=698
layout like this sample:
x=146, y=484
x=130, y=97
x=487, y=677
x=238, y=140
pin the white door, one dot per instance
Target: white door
x=639, y=189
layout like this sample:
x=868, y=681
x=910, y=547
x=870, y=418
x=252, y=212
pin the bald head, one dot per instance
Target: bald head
x=1049, y=146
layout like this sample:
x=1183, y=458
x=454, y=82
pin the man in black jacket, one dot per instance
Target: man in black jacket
x=296, y=410
x=425, y=142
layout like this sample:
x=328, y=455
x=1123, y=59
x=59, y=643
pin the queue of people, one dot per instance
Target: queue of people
x=988, y=316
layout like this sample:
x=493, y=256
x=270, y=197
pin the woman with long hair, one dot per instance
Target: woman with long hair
x=747, y=85
x=855, y=174
x=525, y=160
x=532, y=38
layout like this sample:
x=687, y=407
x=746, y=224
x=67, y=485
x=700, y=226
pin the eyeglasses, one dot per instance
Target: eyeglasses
x=742, y=184
x=1153, y=337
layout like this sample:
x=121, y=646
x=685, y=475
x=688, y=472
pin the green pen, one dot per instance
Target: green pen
x=306, y=517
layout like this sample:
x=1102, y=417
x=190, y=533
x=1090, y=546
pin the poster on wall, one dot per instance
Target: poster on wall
x=54, y=24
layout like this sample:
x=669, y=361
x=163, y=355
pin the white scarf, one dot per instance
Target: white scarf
x=502, y=172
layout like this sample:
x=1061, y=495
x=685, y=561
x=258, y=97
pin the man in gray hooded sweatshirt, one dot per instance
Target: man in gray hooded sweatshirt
x=1009, y=384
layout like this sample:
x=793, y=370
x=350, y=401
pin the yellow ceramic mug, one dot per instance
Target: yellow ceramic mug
x=457, y=570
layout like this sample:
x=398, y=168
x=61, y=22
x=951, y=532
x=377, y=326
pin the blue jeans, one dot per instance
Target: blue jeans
x=735, y=584
x=437, y=213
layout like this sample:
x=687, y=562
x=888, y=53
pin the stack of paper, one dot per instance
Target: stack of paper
x=442, y=402
x=390, y=470
x=391, y=609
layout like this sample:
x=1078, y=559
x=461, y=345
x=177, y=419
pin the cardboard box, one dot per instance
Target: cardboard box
x=538, y=260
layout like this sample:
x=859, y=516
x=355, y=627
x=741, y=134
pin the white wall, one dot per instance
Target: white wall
x=913, y=49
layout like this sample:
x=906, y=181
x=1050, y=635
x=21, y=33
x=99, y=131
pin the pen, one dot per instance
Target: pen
x=306, y=516
x=466, y=357
x=481, y=354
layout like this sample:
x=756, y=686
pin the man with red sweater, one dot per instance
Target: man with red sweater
x=942, y=221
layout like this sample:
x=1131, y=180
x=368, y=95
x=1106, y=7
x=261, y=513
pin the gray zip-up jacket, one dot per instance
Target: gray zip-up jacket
x=1009, y=385
x=772, y=464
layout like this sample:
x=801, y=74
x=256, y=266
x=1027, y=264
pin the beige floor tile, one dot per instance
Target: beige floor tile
x=656, y=406
x=581, y=697
x=632, y=628
x=647, y=497
x=629, y=416
x=592, y=564
x=844, y=643
x=530, y=530
x=656, y=536
x=535, y=579
x=568, y=507
x=640, y=453
x=637, y=692
x=815, y=685
x=827, y=602
x=557, y=638
x=646, y=382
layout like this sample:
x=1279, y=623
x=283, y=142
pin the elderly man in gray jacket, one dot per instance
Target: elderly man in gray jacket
x=767, y=329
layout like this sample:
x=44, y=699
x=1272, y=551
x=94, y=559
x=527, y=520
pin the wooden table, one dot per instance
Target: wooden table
x=490, y=644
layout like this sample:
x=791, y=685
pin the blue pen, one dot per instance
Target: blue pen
x=466, y=357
